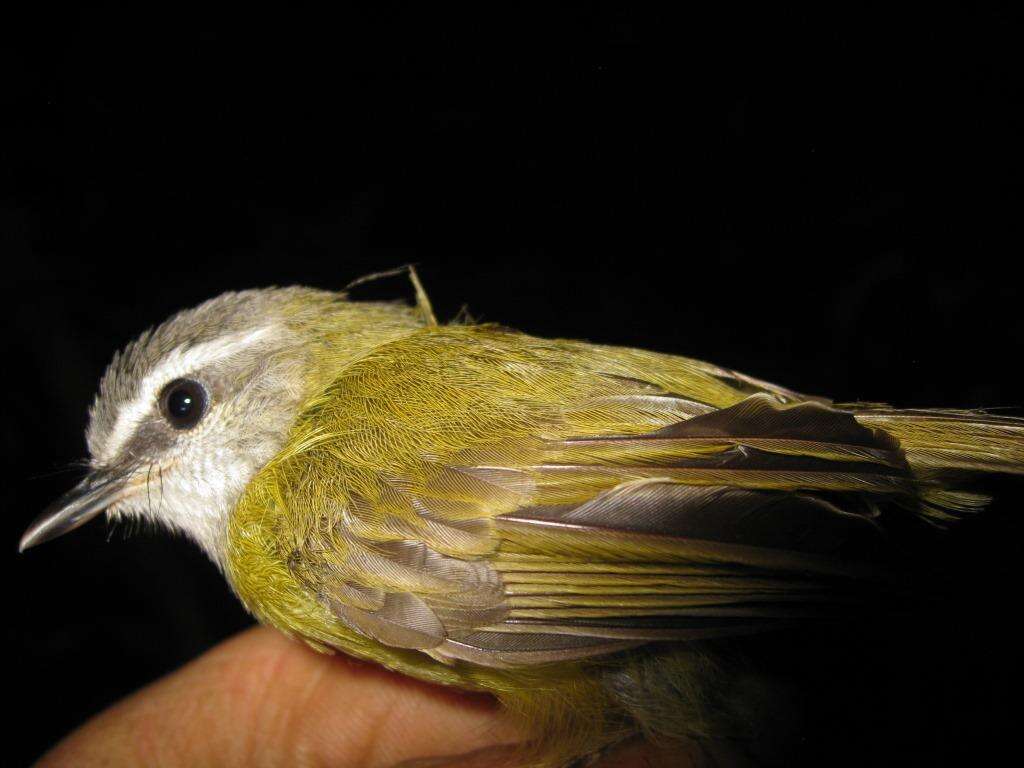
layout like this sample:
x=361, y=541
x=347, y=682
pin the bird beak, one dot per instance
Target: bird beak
x=100, y=489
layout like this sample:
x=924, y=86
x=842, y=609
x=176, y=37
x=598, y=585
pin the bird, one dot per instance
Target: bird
x=561, y=524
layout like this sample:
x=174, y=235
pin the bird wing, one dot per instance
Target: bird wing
x=485, y=496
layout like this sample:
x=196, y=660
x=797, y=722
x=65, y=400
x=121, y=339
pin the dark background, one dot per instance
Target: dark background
x=833, y=203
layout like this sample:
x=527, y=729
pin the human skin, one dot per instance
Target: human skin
x=260, y=699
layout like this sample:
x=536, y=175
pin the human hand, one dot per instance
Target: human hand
x=260, y=699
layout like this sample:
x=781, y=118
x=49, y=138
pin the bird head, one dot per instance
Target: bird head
x=187, y=413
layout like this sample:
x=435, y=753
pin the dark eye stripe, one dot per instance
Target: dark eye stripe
x=183, y=403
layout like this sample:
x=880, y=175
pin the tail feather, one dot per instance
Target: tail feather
x=948, y=440
x=947, y=449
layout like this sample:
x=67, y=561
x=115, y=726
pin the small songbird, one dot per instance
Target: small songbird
x=551, y=521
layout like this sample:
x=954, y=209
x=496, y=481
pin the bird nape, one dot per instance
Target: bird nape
x=569, y=526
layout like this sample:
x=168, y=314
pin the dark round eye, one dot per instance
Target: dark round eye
x=183, y=403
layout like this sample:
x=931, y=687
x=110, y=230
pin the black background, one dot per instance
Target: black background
x=833, y=203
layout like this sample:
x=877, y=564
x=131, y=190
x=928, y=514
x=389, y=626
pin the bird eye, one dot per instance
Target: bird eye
x=183, y=403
